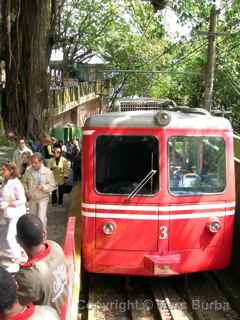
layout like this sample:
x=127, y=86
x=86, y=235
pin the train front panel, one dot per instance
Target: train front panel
x=157, y=201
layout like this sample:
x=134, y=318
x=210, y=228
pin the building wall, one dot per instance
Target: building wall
x=88, y=109
x=78, y=115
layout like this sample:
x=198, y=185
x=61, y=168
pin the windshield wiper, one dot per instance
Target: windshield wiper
x=142, y=183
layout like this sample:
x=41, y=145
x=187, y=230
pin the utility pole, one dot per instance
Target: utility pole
x=210, y=73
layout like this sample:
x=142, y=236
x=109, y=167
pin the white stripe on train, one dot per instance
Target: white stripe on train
x=156, y=217
x=88, y=132
x=158, y=208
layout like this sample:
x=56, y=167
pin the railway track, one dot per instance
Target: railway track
x=207, y=299
x=193, y=297
x=170, y=304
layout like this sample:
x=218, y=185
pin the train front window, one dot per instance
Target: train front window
x=124, y=164
x=196, y=165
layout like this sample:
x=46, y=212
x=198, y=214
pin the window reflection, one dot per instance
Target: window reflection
x=196, y=165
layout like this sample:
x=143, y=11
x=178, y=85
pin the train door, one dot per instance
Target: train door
x=127, y=185
x=197, y=173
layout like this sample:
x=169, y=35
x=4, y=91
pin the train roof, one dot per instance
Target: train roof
x=147, y=119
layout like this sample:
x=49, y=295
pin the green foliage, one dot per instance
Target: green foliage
x=83, y=26
x=130, y=36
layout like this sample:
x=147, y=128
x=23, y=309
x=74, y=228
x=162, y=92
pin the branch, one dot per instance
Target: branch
x=117, y=91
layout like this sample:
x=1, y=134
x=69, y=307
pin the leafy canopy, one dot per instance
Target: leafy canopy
x=133, y=40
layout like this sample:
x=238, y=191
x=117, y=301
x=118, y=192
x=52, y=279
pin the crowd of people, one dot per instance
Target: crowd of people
x=69, y=150
x=35, y=174
x=39, y=288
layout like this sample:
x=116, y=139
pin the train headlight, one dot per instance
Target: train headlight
x=108, y=228
x=162, y=118
x=214, y=225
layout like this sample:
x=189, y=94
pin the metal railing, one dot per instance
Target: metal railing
x=69, y=310
x=64, y=99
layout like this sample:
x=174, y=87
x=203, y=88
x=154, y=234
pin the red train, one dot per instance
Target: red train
x=158, y=192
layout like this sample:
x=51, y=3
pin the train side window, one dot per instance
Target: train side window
x=197, y=165
x=122, y=162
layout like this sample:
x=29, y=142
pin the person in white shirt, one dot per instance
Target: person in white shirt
x=13, y=206
x=17, y=155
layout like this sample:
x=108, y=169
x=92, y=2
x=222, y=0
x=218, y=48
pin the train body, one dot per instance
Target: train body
x=158, y=193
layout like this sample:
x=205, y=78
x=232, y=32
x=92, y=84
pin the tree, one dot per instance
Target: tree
x=134, y=48
x=83, y=26
x=132, y=39
x=190, y=55
x=28, y=31
x=137, y=46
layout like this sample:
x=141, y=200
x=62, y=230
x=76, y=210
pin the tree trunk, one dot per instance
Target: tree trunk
x=28, y=25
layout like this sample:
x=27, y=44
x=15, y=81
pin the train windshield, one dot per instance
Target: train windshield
x=196, y=165
x=123, y=162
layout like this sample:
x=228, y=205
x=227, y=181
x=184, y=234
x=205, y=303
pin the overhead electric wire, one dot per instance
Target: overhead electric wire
x=229, y=51
x=236, y=89
x=147, y=71
x=194, y=50
x=166, y=71
x=222, y=40
x=236, y=44
x=230, y=77
x=235, y=121
x=232, y=82
x=191, y=53
x=176, y=63
x=190, y=60
x=169, y=48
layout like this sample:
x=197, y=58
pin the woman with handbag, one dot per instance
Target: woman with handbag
x=13, y=205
